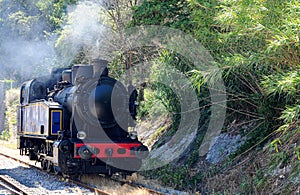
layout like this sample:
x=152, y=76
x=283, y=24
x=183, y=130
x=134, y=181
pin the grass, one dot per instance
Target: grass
x=12, y=144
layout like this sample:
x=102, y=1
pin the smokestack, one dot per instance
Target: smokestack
x=100, y=67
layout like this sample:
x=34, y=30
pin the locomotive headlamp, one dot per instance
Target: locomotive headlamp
x=64, y=146
x=133, y=135
x=81, y=135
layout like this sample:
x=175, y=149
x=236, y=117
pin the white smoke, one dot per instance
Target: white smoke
x=88, y=30
x=84, y=31
x=27, y=57
x=24, y=50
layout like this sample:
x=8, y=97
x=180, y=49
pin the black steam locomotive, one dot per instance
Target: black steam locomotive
x=76, y=122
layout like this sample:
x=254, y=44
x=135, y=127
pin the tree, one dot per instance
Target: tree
x=255, y=44
x=95, y=30
x=26, y=34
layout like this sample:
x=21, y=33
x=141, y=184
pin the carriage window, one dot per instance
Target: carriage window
x=42, y=129
x=23, y=93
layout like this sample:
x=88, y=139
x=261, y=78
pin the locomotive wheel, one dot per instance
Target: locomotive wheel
x=32, y=155
x=124, y=175
x=65, y=175
x=49, y=166
x=43, y=149
x=44, y=164
x=109, y=173
x=56, y=170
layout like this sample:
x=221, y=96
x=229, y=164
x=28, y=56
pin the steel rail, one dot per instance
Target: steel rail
x=95, y=190
x=12, y=187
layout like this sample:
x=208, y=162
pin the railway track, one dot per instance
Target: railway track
x=10, y=186
x=93, y=189
x=85, y=185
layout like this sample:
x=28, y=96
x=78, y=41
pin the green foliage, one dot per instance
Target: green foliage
x=256, y=45
x=152, y=105
x=54, y=12
x=275, y=143
x=5, y=134
x=160, y=97
x=173, y=13
x=21, y=23
x=27, y=29
x=176, y=177
x=284, y=85
x=11, y=102
x=25, y=17
x=247, y=33
x=264, y=29
x=291, y=114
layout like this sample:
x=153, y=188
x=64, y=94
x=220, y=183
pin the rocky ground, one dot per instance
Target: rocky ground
x=36, y=181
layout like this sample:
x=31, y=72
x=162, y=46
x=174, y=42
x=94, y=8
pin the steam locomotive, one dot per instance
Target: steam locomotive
x=75, y=121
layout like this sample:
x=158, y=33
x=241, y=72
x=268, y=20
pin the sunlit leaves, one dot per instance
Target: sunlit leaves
x=283, y=84
x=291, y=114
x=172, y=13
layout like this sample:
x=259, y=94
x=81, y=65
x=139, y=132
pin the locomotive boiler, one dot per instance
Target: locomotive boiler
x=76, y=122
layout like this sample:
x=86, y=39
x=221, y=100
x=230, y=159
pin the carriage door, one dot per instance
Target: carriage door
x=21, y=109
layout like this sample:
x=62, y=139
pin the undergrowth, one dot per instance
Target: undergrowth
x=256, y=47
x=11, y=103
